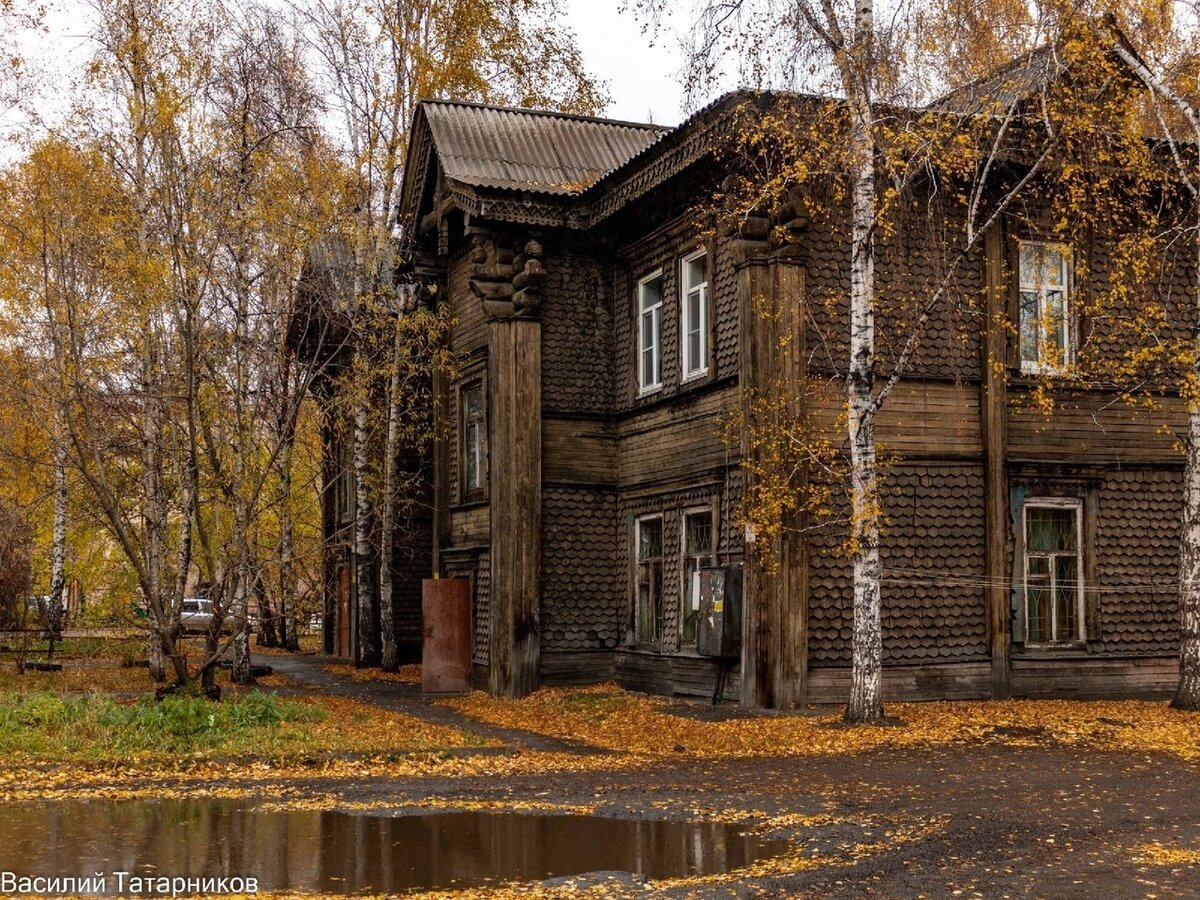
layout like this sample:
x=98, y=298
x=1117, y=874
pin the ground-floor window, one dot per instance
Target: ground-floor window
x=697, y=548
x=1054, y=610
x=648, y=615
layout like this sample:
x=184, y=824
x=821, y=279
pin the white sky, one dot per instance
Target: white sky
x=645, y=82
x=644, y=85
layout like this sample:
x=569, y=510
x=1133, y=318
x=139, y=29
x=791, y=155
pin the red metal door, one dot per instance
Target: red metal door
x=343, y=616
x=446, y=646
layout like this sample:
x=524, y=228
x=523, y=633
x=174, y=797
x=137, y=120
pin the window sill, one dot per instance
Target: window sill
x=470, y=503
x=643, y=393
x=688, y=378
x=1064, y=650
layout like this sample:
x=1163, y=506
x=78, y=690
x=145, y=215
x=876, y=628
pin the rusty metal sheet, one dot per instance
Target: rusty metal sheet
x=446, y=642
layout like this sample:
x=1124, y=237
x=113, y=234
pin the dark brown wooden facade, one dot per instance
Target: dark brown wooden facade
x=565, y=489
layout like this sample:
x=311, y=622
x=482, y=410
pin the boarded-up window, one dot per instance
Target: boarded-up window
x=697, y=552
x=1045, y=332
x=650, y=333
x=648, y=614
x=695, y=315
x=1053, y=571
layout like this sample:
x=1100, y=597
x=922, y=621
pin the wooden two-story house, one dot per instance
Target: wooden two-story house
x=590, y=460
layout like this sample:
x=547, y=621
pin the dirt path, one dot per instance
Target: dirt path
x=308, y=671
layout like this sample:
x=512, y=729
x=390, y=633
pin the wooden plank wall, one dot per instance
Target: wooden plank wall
x=515, y=467
x=1084, y=679
x=775, y=603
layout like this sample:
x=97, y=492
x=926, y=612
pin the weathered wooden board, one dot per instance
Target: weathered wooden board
x=1092, y=428
x=579, y=451
x=469, y=526
x=932, y=419
x=515, y=467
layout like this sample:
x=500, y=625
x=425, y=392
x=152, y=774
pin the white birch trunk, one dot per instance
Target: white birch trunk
x=58, y=553
x=387, y=612
x=866, y=696
x=1187, y=696
x=368, y=641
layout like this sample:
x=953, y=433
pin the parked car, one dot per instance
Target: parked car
x=197, y=615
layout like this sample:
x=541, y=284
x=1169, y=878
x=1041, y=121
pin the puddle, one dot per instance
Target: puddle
x=337, y=852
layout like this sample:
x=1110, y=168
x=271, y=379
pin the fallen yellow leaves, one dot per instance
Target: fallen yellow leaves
x=406, y=674
x=613, y=719
x=1155, y=854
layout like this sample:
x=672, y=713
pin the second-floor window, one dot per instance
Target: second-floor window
x=650, y=333
x=1045, y=326
x=695, y=314
x=474, y=443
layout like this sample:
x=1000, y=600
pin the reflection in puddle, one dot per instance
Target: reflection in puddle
x=320, y=850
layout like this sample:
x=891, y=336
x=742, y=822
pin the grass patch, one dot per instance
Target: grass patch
x=55, y=727
x=50, y=724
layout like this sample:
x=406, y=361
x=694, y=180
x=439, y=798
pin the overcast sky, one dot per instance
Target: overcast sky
x=644, y=84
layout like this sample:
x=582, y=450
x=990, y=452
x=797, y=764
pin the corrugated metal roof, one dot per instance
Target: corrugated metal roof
x=1008, y=85
x=529, y=150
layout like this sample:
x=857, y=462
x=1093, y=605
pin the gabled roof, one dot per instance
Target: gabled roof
x=527, y=150
x=1025, y=76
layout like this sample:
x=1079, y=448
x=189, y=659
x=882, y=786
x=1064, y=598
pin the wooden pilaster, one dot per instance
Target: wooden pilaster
x=515, y=470
x=775, y=603
x=993, y=406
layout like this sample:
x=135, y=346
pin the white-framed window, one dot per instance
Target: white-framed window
x=474, y=442
x=650, y=307
x=696, y=548
x=1045, y=307
x=1053, y=537
x=648, y=545
x=693, y=277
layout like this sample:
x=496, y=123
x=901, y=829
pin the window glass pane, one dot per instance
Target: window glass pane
x=1066, y=590
x=1055, y=324
x=649, y=539
x=1037, y=598
x=1029, y=327
x=1029, y=264
x=697, y=271
x=698, y=533
x=1051, y=268
x=651, y=293
x=1050, y=529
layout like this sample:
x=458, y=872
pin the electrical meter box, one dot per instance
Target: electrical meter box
x=719, y=626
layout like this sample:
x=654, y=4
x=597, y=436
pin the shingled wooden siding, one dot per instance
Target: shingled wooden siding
x=958, y=435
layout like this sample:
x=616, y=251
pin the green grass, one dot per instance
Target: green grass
x=95, y=726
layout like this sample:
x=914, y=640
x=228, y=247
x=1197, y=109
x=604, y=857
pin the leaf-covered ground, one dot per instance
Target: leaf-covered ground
x=608, y=717
x=955, y=799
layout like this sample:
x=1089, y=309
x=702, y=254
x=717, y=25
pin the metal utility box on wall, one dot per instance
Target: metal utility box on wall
x=719, y=629
x=446, y=640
